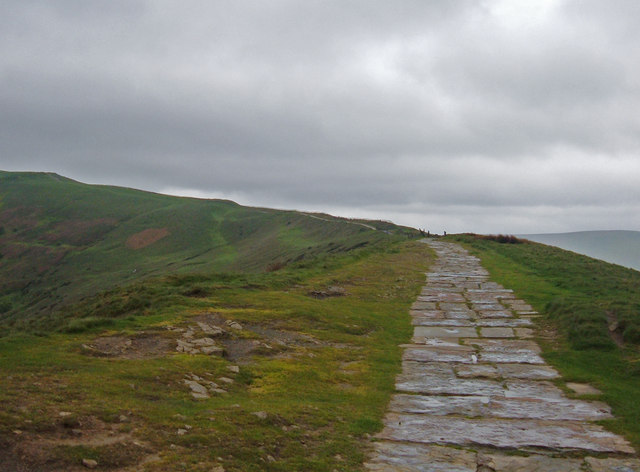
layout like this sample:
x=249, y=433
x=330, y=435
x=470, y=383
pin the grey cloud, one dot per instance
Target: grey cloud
x=402, y=108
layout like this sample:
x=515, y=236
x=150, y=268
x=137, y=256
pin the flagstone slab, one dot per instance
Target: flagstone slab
x=533, y=463
x=540, y=389
x=499, y=407
x=494, y=314
x=527, y=371
x=477, y=370
x=524, y=333
x=511, y=357
x=445, y=332
x=487, y=306
x=502, y=433
x=445, y=322
x=436, y=354
x=439, y=378
x=451, y=297
x=446, y=343
x=401, y=457
x=456, y=307
x=423, y=305
x=504, y=322
x=503, y=345
x=613, y=464
x=497, y=332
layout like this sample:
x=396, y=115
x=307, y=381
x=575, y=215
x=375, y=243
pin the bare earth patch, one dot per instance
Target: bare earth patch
x=55, y=449
x=146, y=238
x=141, y=346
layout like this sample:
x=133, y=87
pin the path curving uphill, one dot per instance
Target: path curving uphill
x=474, y=389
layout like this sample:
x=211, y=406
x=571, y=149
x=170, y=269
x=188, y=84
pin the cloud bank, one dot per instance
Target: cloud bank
x=485, y=116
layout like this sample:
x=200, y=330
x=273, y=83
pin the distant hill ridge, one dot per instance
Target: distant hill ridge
x=62, y=240
x=615, y=246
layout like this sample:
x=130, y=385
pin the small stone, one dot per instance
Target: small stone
x=195, y=386
x=226, y=380
x=233, y=324
x=179, y=416
x=123, y=419
x=17, y=431
x=270, y=458
x=89, y=463
x=233, y=368
x=200, y=396
x=64, y=414
x=212, y=350
x=181, y=432
x=260, y=414
x=204, y=342
x=188, y=427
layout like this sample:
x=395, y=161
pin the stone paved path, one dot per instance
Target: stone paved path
x=474, y=388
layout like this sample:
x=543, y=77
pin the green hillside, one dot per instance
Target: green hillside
x=61, y=240
x=148, y=332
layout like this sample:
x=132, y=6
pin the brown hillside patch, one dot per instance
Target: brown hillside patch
x=142, y=346
x=146, y=238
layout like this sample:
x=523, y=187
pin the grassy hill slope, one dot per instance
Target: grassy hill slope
x=61, y=240
x=618, y=247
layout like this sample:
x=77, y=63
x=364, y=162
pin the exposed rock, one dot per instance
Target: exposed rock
x=233, y=324
x=260, y=414
x=197, y=390
x=89, y=463
x=203, y=342
x=212, y=350
x=233, y=368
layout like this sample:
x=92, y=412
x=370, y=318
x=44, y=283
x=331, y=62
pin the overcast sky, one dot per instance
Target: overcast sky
x=487, y=116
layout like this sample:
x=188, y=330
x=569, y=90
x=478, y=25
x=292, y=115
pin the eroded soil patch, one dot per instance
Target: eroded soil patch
x=146, y=238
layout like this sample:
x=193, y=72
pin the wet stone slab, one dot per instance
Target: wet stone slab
x=443, y=322
x=494, y=314
x=504, y=322
x=429, y=354
x=444, y=332
x=533, y=463
x=541, y=389
x=398, y=457
x=511, y=357
x=497, y=332
x=455, y=307
x=466, y=371
x=477, y=406
x=423, y=305
x=451, y=297
x=504, y=345
x=439, y=378
x=527, y=371
x=613, y=464
x=501, y=433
